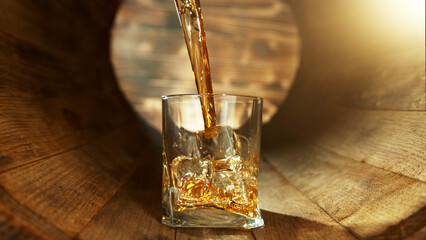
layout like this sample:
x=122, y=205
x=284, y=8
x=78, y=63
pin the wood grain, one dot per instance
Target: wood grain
x=345, y=155
x=351, y=135
x=52, y=31
x=408, y=228
x=391, y=140
x=60, y=117
x=46, y=105
x=362, y=197
x=289, y=214
x=135, y=211
x=19, y=222
x=70, y=188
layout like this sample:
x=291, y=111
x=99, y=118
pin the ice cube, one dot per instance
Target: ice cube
x=191, y=178
x=211, y=171
x=232, y=163
x=187, y=144
x=228, y=187
x=224, y=144
x=228, y=182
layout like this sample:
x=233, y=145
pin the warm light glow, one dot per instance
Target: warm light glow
x=407, y=14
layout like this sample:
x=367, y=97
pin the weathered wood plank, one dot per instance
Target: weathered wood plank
x=392, y=140
x=406, y=227
x=364, y=198
x=293, y=227
x=135, y=211
x=51, y=126
x=27, y=63
x=358, y=102
x=288, y=214
x=51, y=30
x=19, y=222
x=42, y=116
x=128, y=216
x=70, y=188
x=59, y=104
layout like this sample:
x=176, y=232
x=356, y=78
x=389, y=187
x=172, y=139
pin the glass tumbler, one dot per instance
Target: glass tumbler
x=211, y=180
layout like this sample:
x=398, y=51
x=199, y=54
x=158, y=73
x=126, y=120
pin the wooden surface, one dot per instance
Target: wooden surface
x=351, y=134
x=344, y=157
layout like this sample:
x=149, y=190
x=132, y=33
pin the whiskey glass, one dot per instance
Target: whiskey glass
x=211, y=181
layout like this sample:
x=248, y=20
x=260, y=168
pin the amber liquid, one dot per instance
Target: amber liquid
x=221, y=187
x=217, y=180
x=225, y=188
x=191, y=20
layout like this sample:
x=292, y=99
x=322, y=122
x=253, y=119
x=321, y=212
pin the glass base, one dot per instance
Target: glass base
x=211, y=218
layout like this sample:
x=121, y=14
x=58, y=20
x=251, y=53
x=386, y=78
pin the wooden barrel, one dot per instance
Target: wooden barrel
x=344, y=157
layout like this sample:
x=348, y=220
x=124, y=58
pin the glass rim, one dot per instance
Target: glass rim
x=189, y=95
